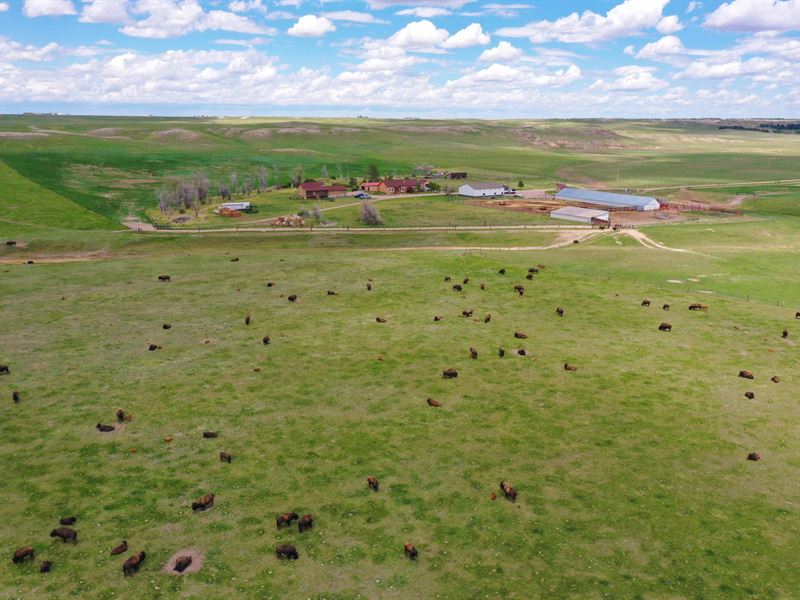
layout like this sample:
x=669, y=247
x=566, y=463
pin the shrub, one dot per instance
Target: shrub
x=369, y=214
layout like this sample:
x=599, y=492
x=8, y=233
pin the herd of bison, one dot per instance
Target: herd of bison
x=305, y=522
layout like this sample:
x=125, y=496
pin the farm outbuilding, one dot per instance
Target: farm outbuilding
x=608, y=200
x=240, y=206
x=483, y=189
x=581, y=215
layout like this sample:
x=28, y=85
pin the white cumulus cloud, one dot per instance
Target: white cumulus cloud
x=756, y=15
x=423, y=12
x=311, y=26
x=48, y=8
x=670, y=24
x=472, y=35
x=420, y=36
x=105, y=11
x=503, y=52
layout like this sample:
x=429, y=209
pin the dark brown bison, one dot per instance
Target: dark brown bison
x=457, y=288
x=11, y=243
x=473, y=353
x=775, y=379
x=45, y=566
x=447, y=279
x=164, y=278
x=286, y=519
x=130, y=566
x=697, y=306
x=182, y=563
x=467, y=313
x=436, y=318
x=225, y=457
x=120, y=414
x=750, y=395
x=4, y=370
x=287, y=551
x=210, y=434
x=665, y=327
x=236, y=259
x=533, y=270
x=166, y=326
x=529, y=276
x=66, y=534
x=665, y=306
x=23, y=554
x=449, y=374
x=509, y=492
x=292, y=298
x=569, y=367
x=331, y=293
x=483, y=286
x=153, y=347
x=105, y=428
x=746, y=375
x=203, y=502
x=797, y=315
x=123, y=547
x=576, y=241
x=410, y=551
x=380, y=320
x=501, y=352
x=520, y=335
x=754, y=456
x=466, y=280
x=522, y=352
x=270, y=284
x=645, y=302
x=305, y=522
x=502, y=271
x=487, y=318
x=519, y=288
x=67, y=521
x=560, y=311
x=266, y=340
x=247, y=320
x=785, y=334
x=372, y=482
x=369, y=287
x=432, y=402
x=15, y=396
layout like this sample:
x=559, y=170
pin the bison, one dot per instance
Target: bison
x=447, y=279
x=166, y=326
x=11, y=243
x=529, y=276
x=305, y=522
x=775, y=379
x=519, y=288
x=120, y=414
x=4, y=370
x=520, y=335
x=372, y=482
x=203, y=502
x=292, y=298
x=569, y=367
x=247, y=320
x=164, y=278
x=286, y=519
x=67, y=521
x=466, y=280
x=483, y=286
x=502, y=271
x=754, y=456
x=123, y=547
x=697, y=306
x=785, y=334
x=560, y=311
x=266, y=340
x=130, y=566
x=236, y=259
x=182, y=563
x=66, y=534
x=225, y=457
x=509, y=492
x=380, y=320
x=750, y=395
x=522, y=352
x=665, y=307
x=533, y=270
x=449, y=374
x=434, y=403
x=473, y=353
x=23, y=554
x=457, y=288
x=410, y=551
x=645, y=302
x=369, y=286
x=665, y=327
x=105, y=428
x=436, y=318
x=501, y=352
x=487, y=318
x=45, y=566
x=15, y=396
x=153, y=347
x=797, y=315
x=746, y=375
x=467, y=313
x=287, y=551
x=210, y=434
x=331, y=293
x=270, y=284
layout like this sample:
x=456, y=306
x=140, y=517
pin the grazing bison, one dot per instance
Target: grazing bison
x=380, y=320
x=105, y=428
x=266, y=340
x=11, y=243
x=467, y=313
x=305, y=522
x=203, y=502
x=487, y=318
x=210, y=434
x=750, y=395
x=529, y=276
x=286, y=519
x=270, y=284
x=123, y=547
x=665, y=327
x=166, y=326
x=23, y=554
x=775, y=379
x=754, y=456
x=153, y=347
x=520, y=335
x=130, y=566
x=67, y=521
x=665, y=307
x=569, y=367
x=785, y=334
x=432, y=402
x=45, y=566
x=247, y=320
x=483, y=286
x=509, y=492
x=4, y=370
x=501, y=352
x=473, y=353
x=164, y=278
x=698, y=306
x=372, y=482
x=576, y=241
x=66, y=534
x=182, y=563
x=15, y=396
x=436, y=318
x=457, y=288
x=519, y=288
x=449, y=374
x=225, y=457
x=369, y=286
x=466, y=280
x=236, y=259
x=447, y=279
x=331, y=293
x=292, y=298
x=522, y=352
x=120, y=415
x=410, y=551
x=645, y=302
x=560, y=311
x=746, y=375
x=287, y=551
x=533, y=270
x=797, y=315
x=502, y=271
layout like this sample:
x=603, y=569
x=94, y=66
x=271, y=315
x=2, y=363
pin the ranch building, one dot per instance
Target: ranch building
x=402, y=186
x=370, y=186
x=581, y=215
x=240, y=206
x=608, y=200
x=481, y=190
x=314, y=189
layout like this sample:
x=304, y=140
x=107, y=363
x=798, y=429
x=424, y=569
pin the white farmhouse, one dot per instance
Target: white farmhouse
x=483, y=189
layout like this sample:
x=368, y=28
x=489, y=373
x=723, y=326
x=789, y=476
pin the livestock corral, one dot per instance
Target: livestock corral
x=343, y=424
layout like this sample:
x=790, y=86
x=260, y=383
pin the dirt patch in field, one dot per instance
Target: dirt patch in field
x=593, y=138
x=257, y=133
x=22, y=135
x=298, y=130
x=182, y=135
x=197, y=562
x=435, y=129
x=108, y=132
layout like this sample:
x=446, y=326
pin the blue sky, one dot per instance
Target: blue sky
x=426, y=58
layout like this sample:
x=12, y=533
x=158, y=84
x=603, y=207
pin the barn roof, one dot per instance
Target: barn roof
x=577, y=211
x=313, y=186
x=403, y=182
x=606, y=198
x=485, y=185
